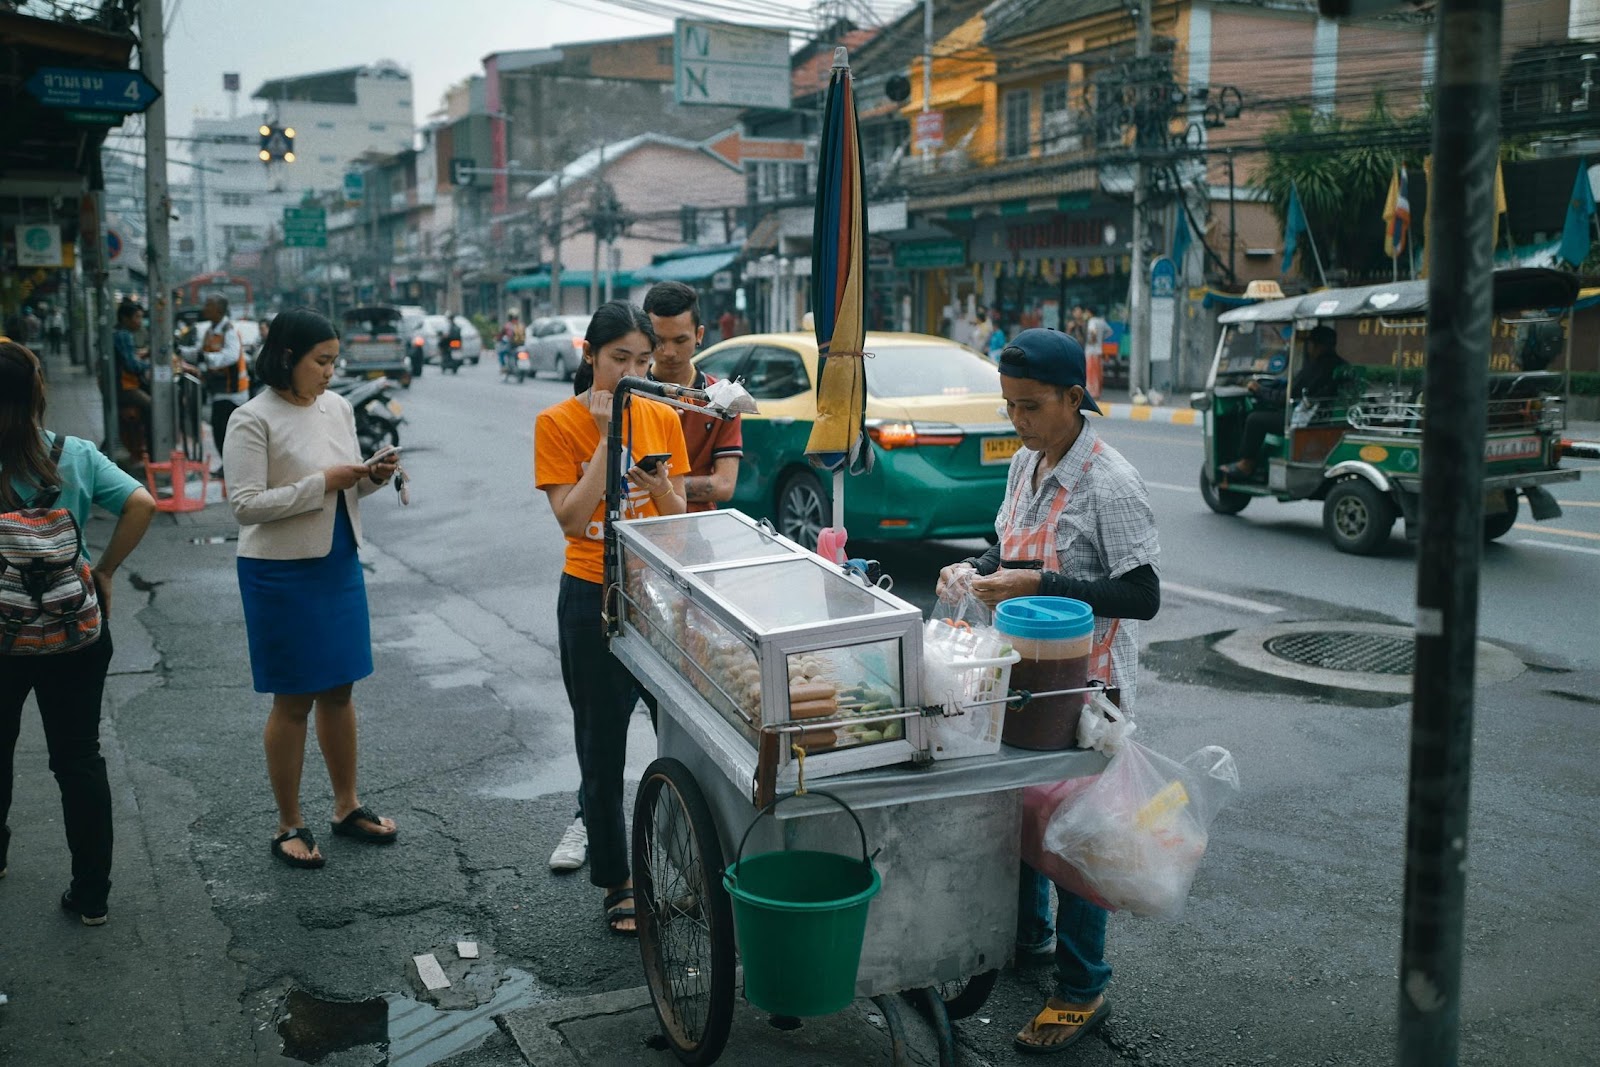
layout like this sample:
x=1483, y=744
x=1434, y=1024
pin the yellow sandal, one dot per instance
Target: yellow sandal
x=1084, y=1019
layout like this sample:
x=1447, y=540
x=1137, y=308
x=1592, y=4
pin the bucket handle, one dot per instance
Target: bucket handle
x=866, y=860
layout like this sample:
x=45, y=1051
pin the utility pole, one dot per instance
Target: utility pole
x=555, y=249
x=1466, y=139
x=1139, y=284
x=158, y=213
x=597, y=208
x=927, y=74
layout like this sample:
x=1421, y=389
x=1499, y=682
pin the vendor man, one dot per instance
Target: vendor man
x=1075, y=522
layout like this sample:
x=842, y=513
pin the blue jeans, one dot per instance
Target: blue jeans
x=1079, y=933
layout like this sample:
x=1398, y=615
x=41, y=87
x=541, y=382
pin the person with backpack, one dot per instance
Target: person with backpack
x=55, y=609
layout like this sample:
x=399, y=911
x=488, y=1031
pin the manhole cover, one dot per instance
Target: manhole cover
x=1365, y=656
x=1342, y=651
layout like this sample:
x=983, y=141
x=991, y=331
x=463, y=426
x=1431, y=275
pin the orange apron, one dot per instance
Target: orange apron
x=1020, y=543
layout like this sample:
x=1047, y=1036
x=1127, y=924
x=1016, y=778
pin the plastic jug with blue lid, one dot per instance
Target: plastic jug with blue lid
x=1044, y=618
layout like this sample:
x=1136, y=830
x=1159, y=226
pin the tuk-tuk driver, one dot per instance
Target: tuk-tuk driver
x=1318, y=378
x=1075, y=522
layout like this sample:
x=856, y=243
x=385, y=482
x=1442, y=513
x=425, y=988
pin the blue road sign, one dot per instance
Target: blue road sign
x=1163, y=279
x=82, y=89
x=355, y=186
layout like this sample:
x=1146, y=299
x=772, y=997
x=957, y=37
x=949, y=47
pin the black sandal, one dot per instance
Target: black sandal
x=306, y=862
x=615, y=912
x=347, y=827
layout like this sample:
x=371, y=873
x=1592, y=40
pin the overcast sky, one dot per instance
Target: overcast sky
x=439, y=41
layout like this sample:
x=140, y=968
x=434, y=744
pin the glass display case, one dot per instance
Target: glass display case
x=769, y=633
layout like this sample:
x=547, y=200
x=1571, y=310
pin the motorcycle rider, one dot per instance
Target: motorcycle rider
x=512, y=335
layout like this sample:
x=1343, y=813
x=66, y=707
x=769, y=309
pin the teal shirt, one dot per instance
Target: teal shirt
x=87, y=477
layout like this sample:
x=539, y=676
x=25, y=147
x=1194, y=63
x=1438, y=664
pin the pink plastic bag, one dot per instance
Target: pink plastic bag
x=1039, y=803
x=1134, y=836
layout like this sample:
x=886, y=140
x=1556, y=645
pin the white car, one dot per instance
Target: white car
x=434, y=325
x=555, y=344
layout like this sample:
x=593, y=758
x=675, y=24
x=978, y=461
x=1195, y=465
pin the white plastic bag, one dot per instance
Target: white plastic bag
x=1138, y=833
x=966, y=669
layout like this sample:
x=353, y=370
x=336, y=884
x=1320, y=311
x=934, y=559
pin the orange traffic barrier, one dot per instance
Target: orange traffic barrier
x=176, y=497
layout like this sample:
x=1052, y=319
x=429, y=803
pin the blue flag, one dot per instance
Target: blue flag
x=1294, y=224
x=1575, y=234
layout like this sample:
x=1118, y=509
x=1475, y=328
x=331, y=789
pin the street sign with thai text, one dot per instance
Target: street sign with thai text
x=735, y=148
x=305, y=227
x=82, y=89
x=929, y=130
x=722, y=65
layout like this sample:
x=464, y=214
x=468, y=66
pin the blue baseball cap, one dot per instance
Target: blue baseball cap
x=1051, y=357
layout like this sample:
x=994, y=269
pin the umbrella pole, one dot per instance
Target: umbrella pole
x=838, y=499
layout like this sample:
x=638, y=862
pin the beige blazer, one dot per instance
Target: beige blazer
x=274, y=457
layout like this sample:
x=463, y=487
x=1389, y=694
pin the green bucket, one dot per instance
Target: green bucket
x=800, y=918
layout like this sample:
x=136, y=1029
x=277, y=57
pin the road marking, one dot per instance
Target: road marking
x=1554, y=544
x=1169, y=487
x=1221, y=598
x=1118, y=435
x=1530, y=527
x=1579, y=503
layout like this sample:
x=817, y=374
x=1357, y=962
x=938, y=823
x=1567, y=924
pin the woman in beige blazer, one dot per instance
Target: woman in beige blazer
x=295, y=480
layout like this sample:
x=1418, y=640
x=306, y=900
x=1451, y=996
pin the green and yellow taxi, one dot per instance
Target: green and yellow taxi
x=940, y=438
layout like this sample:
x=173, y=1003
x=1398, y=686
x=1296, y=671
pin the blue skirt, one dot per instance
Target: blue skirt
x=307, y=618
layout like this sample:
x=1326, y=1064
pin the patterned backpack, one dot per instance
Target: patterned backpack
x=48, y=601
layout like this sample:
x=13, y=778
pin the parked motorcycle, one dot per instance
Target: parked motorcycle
x=378, y=417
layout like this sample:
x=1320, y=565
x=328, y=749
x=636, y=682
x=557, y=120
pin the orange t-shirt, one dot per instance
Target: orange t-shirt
x=564, y=440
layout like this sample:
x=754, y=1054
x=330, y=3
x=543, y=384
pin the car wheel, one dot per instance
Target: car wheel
x=803, y=509
x=561, y=370
x=1221, y=501
x=473, y=361
x=1357, y=516
x=1499, y=524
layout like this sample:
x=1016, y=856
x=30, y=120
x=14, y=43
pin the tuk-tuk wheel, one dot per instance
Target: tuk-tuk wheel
x=1499, y=524
x=1358, y=516
x=1221, y=501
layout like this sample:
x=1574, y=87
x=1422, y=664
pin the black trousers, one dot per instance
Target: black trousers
x=602, y=695
x=69, y=687
x=1257, y=425
x=222, y=410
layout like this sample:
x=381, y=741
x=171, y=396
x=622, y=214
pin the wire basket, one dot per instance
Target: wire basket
x=972, y=693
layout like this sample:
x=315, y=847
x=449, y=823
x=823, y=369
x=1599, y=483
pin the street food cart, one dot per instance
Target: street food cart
x=773, y=668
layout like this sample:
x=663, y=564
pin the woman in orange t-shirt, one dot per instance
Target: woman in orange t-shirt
x=569, y=460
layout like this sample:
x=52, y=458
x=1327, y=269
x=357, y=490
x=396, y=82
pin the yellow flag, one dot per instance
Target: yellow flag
x=1499, y=201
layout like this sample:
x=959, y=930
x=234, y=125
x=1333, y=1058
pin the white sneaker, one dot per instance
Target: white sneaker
x=573, y=849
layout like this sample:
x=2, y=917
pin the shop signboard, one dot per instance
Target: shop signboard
x=929, y=130
x=1052, y=235
x=38, y=245
x=721, y=65
x=930, y=255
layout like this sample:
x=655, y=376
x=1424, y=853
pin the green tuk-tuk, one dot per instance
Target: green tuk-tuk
x=1358, y=447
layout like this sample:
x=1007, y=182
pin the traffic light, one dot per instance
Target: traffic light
x=277, y=142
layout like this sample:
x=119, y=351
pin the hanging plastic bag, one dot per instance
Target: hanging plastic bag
x=1103, y=727
x=1137, y=834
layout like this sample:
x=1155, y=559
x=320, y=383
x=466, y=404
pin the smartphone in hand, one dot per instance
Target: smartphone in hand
x=383, y=453
x=652, y=461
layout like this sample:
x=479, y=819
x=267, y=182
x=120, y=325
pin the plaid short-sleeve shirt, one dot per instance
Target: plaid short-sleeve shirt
x=1106, y=528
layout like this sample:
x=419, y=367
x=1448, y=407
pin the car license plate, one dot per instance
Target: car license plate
x=1514, y=448
x=1000, y=449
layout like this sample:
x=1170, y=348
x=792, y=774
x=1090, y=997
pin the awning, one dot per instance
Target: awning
x=959, y=96
x=688, y=268
x=570, y=279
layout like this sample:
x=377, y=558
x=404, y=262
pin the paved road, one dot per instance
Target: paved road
x=1287, y=954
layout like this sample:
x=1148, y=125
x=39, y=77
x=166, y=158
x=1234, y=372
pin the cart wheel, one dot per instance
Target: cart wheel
x=964, y=997
x=685, y=919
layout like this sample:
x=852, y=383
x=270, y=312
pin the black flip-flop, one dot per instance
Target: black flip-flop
x=304, y=862
x=1085, y=1021
x=349, y=827
x=615, y=912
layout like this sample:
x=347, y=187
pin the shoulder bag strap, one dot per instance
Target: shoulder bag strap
x=48, y=495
